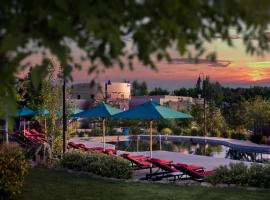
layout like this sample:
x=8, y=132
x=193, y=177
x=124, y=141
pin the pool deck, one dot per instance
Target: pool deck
x=90, y=144
x=208, y=162
x=205, y=161
x=240, y=145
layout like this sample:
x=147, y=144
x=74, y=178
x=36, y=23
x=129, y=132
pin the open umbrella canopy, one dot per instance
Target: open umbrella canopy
x=76, y=110
x=25, y=111
x=151, y=110
x=42, y=111
x=101, y=110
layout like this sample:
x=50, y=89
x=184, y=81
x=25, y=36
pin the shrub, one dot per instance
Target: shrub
x=177, y=131
x=256, y=176
x=226, y=133
x=96, y=132
x=97, y=163
x=13, y=169
x=240, y=174
x=112, y=131
x=186, y=131
x=166, y=131
x=215, y=132
x=239, y=134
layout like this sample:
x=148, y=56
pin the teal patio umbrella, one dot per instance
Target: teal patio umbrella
x=25, y=112
x=103, y=111
x=42, y=112
x=151, y=110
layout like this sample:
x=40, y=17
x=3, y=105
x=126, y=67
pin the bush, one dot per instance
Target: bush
x=177, y=131
x=239, y=134
x=13, y=169
x=97, y=163
x=215, y=132
x=166, y=131
x=240, y=174
x=96, y=132
x=226, y=133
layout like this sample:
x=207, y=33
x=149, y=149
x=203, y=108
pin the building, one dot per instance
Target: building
x=116, y=94
x=174, y=102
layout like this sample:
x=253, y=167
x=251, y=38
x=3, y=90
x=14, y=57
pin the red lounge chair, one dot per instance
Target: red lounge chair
x=165, y=170
x=193, y=167
x=73, y=145
x=83, y=147
x=138, y=162
x=96, y=149
x=110, y=151
x=195, y=175
x=34, y=137
x=161, y=161
x=35, y=132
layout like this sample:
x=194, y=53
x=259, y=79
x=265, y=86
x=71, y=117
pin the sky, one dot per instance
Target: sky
x=234, y=68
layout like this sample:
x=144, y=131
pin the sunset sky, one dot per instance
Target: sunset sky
x=243, y=70
x=234, y=68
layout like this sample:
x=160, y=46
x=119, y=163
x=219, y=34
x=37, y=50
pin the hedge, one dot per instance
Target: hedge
x=13, y=169
x=255, y=175
x=97, y=163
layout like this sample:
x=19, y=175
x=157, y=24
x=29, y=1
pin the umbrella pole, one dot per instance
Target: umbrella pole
x=20, y=124
x=151, y=124
x=103, y=129
x=6, y=131
x=45, y=125
x=24, y=125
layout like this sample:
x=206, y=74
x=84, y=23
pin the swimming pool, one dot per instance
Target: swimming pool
x=195, y=148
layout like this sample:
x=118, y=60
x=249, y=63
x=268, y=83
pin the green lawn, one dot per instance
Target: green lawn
x=44, y=184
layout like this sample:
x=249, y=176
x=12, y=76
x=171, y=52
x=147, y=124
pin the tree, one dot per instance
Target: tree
x=212, y=92
x=139, y=89
x=99, y=29
x=159, y=91
x=236, y=115
x=215, y=122
x=258, y=111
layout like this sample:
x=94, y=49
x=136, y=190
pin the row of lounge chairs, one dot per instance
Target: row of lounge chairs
x=159, y=168
x=167, y=169
x=32, y=136
x=72, y=145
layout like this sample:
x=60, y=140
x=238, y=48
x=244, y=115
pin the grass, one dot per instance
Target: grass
x=44, y=184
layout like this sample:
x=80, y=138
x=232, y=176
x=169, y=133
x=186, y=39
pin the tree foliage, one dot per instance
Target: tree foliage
x=159, y=91
x=258, y=112
x=139, y=89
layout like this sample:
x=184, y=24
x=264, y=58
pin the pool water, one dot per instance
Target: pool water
x=213, y=150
